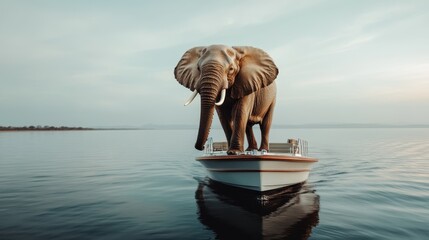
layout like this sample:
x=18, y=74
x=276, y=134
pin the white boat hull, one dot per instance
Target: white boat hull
x=258, y=172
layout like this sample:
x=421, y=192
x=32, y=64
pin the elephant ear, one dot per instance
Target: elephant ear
x=257, y=70
x=186, y=71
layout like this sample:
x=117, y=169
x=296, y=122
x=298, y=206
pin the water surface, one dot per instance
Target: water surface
x=145, y=184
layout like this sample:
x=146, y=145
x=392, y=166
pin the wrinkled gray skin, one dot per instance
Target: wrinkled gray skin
x=248, y=76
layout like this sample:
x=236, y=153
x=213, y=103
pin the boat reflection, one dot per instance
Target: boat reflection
x=236, y=213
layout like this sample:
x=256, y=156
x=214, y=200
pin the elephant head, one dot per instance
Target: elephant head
x=211, y=71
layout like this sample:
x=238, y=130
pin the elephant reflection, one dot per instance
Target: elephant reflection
x=236, y=214
x=239, y=83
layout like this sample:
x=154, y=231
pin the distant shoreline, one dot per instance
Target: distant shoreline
x=44, y=128
x=62, y=128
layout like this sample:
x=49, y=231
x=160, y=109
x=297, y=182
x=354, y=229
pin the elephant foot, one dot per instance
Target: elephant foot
x=233, y=152
x=251, y=149
x=263, y=149
x=264, y=146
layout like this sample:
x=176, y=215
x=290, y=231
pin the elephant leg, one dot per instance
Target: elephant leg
x=251, y=138
x=225, y=120
x=265, y=128
x=241, y=113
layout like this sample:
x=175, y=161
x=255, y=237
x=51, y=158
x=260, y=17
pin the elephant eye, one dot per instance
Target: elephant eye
x=231, y=70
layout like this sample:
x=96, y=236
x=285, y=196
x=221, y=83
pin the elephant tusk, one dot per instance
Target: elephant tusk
x=222, y=97
x=194, y=94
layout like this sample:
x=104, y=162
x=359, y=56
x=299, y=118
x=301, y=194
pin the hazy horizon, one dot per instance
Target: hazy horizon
x=111, y=63
x=215, y=125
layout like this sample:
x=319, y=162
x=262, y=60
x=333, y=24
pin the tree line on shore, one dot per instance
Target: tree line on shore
x=41, y=128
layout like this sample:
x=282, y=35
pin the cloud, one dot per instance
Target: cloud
x=343, y=36
x=353, y=43
x=400, y=83
x=331, y=62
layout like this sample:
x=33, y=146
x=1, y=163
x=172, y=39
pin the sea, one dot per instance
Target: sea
x=369, y=183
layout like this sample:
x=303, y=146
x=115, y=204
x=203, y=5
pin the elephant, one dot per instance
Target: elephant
x=236, y=81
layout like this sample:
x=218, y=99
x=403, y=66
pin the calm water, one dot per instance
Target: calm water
x=369, y=184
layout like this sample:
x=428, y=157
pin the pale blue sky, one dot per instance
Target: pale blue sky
x=104, y=63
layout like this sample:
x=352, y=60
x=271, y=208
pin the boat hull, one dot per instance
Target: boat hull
x=258, y=172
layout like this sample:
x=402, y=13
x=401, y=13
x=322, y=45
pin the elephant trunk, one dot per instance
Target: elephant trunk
x=209, y=89
x=206, y=119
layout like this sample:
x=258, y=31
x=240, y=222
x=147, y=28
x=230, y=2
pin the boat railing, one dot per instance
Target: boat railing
x=296, y=147
x=293, y=146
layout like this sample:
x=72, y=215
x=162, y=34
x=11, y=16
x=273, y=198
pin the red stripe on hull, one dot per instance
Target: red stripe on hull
x=256, y=158
x=253, y=170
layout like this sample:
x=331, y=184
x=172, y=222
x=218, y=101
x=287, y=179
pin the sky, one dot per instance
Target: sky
x=111, y=63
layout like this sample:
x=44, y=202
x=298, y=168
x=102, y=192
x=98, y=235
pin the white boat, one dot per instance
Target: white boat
x=285, y=165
